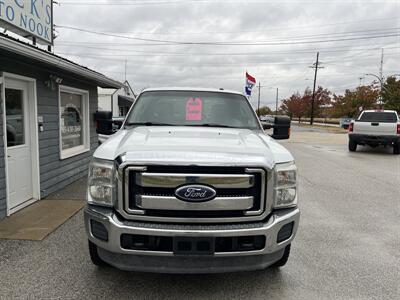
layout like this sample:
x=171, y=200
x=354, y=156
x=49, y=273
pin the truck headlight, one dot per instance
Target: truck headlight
x=101, y=182
x=285, y=190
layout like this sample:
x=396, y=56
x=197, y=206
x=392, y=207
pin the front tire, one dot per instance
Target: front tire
x=396, y=148
x=284, y=259
x=352, y=146
x=94, y=255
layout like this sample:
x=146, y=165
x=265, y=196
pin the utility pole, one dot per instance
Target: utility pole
x=259, y=99
x=276, y=107
x=316, y=66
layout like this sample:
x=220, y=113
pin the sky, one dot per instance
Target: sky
x=209, y=43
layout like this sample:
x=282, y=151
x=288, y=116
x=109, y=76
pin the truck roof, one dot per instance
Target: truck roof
x=194, y=89
x=379, y=110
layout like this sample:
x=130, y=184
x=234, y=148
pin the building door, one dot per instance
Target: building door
x=19, y=158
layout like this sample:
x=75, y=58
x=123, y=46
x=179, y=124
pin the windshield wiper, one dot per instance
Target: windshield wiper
x=167, y=124
x=147, y=124
x=212, y=125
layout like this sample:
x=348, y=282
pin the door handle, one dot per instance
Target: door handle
x=375, y=124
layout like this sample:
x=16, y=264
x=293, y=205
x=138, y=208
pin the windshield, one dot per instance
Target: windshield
x=193, y=108
x=381, y=117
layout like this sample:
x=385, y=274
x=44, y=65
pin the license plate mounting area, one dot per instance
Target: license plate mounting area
x=194, y=245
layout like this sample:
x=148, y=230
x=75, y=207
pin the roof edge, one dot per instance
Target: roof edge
x=31, y=52
x=194, y=89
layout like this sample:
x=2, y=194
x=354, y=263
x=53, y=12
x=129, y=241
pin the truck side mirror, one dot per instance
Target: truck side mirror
x=281, y=128
x=118, y=124
x=103, y=121
x=266, y=126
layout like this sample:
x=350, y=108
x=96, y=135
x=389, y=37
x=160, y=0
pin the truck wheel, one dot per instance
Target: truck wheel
x=284, y=259
x=396, y=148
x=94, y=256
x=352, y=146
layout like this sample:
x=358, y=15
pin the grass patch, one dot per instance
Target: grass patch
x=328, y=128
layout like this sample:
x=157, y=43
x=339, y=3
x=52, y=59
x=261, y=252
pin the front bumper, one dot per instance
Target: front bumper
x=367, y=139
x=167, y=262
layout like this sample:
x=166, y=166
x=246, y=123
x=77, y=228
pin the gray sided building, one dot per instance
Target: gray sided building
x=47, y=130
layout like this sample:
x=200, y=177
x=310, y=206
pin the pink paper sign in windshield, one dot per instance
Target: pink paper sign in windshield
x=194, y=109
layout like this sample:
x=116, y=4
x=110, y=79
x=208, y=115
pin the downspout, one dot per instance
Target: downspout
x=2, y=109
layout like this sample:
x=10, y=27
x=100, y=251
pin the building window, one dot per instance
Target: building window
x=74, y=122
x=15, y=117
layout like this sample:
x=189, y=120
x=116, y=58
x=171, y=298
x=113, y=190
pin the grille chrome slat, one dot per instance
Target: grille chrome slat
x=172, y=203
x=172, y=180
x=252, y=204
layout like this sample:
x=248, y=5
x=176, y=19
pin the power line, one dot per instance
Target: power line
x=97, y=46
x=158, y=3
x=363, y=31
x=125, y=44
x=212, y=64
x=228, y=43
x=168, y=64
x=311, y=36
x=269, y=29
x=359, y=56
x=259, y=62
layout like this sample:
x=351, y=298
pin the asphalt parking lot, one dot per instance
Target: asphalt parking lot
x=347, y=246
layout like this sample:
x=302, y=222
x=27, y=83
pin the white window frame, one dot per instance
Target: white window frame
x=85, y=126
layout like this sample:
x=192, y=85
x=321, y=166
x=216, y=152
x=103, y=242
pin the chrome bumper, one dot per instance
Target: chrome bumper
x=115, y=227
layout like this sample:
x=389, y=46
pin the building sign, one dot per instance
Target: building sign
x=28, y=18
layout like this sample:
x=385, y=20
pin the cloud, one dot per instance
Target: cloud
x=283, y=66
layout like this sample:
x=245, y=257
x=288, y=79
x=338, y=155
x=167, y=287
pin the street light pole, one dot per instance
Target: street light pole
x=276, y=107
x=381, y=84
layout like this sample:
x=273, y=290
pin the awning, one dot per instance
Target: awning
x=27, y=50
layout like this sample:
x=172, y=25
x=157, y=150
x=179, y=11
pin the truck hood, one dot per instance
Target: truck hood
x=194, y=145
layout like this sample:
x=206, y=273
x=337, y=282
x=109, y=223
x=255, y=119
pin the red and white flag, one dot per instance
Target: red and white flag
x=250, y=82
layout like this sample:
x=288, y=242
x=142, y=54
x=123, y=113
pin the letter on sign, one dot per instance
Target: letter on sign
x=29, y=18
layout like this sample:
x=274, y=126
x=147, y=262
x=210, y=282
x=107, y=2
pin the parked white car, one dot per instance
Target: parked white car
x=375, y=128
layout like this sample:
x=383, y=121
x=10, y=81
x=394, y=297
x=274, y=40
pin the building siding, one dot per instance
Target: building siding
x=3, y=201
x=54, y=172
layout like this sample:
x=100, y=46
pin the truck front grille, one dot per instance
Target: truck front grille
x=150, y=191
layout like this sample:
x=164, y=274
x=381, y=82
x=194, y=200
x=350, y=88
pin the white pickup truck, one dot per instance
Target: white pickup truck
x=192, y=184
x=375, y=128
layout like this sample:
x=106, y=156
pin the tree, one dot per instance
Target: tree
x=322, y=99
x=295, y=106
x=265, y=110
x=391, y=93
x=349, y=104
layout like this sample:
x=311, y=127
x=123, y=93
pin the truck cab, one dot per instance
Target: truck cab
x=191, y=183
x=375, y=128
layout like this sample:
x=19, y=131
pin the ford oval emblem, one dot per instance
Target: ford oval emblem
x=195, y=193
